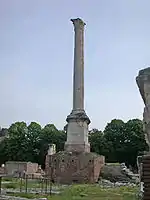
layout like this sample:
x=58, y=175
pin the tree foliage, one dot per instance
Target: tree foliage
x=119, y=142
x=126, y=139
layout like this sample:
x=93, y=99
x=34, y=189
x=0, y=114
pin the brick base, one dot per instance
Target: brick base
x=67, y=168
x=146, y=176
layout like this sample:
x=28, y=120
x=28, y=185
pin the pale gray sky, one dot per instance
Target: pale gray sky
x=36, y=59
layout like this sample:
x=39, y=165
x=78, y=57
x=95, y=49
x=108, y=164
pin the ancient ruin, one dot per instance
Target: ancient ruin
x=13, y=167
x=78, y=121
x=21, y=169
x=76, y=163
x=143, y=82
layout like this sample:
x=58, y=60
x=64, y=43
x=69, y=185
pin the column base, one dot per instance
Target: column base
x=77, y=147
x=77, y=132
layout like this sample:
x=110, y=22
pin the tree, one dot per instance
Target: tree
x=134, y=141
x=22, y=143
x=33, y=141
x=17, y=142
x=127, y=140
x=113, y=134
x=4, y=154
x=50, y=135
x=120, y=142
x=96, y=141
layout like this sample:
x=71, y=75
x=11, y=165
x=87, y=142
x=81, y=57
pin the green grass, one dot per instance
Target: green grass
x=7, y=179
x=9, y=185
x=74, y=192
x=27, y=195
x=16, y=183
x=90, y=192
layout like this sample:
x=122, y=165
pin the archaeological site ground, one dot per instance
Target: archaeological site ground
x=77, y=173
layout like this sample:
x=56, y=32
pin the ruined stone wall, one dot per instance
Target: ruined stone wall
x=32, y=168
x=12, y=167
x=15, y=166
x=47, y=164
x=98, y=164
x=146, y=177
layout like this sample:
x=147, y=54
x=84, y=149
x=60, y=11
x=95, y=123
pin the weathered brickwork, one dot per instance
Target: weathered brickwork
x=146, y=177
x=70, y=168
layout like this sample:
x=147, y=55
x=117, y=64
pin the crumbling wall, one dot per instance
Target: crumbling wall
x=13, y=167
x=32, y=168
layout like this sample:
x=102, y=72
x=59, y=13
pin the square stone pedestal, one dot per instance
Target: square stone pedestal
x=67, y=168
x=77, y=147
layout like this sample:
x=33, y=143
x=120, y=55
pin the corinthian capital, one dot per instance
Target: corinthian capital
x=78, y=23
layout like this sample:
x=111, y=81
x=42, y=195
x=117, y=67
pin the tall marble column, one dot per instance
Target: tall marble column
x=78, y=79
x=78, y=121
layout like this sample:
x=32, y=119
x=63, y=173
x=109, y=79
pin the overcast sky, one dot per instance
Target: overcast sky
x=36, y=59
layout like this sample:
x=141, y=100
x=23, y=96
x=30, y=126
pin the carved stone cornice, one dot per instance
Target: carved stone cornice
x=78, y=115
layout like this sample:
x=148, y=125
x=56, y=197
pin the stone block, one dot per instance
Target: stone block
x=77, y=147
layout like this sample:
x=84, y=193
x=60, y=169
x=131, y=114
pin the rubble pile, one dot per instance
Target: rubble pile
x=118, y=174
